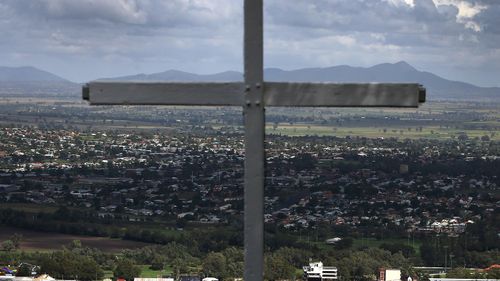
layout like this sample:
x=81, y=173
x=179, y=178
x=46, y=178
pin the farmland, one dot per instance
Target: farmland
x=433, y=120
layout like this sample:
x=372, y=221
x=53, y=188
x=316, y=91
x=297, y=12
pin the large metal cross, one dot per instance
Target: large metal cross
x=254, y=94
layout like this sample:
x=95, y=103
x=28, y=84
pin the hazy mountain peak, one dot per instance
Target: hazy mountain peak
x=27, y=73
x=175, y=71
x=273, y=69
x=230, y=72
x=399, y=72
x=398, y=66
x=403, y=64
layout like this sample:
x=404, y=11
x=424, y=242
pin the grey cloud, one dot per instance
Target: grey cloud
x=120, y=11
x=118, y=37
x=366, y=16
x=343, y=15
x=427, y=35
x=135, y=12
x=416, y=33
x=121, y=25
x=490, y=18
x=115, y=11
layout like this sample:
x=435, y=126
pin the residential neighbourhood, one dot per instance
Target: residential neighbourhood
x=136, y=177
x=160, y=191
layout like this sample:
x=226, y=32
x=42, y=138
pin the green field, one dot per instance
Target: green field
x=429, y=132
x=372, y=242
x=147, y=272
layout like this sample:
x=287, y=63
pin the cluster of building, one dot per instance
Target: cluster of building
x=448, y=226
x=351, y=181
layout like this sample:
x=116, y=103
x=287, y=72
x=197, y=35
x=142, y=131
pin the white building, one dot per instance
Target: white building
x=389, y=274
x=317, y=272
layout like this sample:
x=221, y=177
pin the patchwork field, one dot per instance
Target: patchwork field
x=430, y=132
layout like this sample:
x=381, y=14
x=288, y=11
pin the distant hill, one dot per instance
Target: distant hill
x=27, y=81
x=181, y=76
x=33, y=82
x=27, y=73
x=400, y=72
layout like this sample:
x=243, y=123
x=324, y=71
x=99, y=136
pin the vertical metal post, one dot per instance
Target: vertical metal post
x=254, y=119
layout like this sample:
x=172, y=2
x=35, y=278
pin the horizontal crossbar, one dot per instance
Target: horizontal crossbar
x=275, y=94
x=343, y=95
x=161, y=93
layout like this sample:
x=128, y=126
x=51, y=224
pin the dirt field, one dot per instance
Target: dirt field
x=43, y=241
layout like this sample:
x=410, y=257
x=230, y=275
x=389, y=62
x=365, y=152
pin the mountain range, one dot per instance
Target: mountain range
x=27, y=73
x=28, y=81
x=400, y=72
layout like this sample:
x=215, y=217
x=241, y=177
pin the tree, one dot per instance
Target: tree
x=158, y=262
x=485, y=138
x=126, y=269
x=235, y=269
x=88, y=269
x=215, y=264
x=406, y=250
x=294, y=256
x=8, y=245
x=235, y=265
x=16, y=239
x=463, y=137
x=67, y=264
x=179, y=267
x=278, y=268
x=75, y=244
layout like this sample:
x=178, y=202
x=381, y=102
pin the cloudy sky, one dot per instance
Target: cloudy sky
x=86, y=39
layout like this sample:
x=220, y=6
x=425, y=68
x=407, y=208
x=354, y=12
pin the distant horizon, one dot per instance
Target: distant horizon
x=241, y=72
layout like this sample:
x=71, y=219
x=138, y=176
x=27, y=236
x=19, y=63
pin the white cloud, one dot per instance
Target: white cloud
x=410, y=3
x=466, y=12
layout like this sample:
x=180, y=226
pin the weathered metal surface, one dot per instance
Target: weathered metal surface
x=341, y=95
x=161, y=93
x=235, y=94
x=254, y=119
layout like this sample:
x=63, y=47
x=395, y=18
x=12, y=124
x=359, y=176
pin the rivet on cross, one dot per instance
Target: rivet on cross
x=254, y=94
